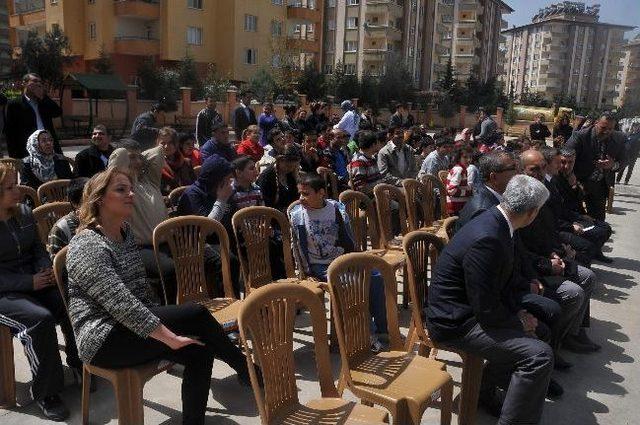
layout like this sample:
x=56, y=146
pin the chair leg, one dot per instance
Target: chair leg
x=412, y=337
x=333, y=336
x=470, y=389
x=129, y=398
x=86, y=393
x=7, y=369
x=446, y=402
x=405, y=288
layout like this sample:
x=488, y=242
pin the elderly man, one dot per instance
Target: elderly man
x=471, y=305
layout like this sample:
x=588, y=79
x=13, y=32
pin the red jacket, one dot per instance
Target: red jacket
x=254, y=150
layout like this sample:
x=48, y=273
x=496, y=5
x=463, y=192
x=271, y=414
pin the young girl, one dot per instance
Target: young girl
x=458, y=189
x=250, y=144
x=187, y=143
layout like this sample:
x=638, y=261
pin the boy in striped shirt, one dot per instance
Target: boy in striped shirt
x=363, y=168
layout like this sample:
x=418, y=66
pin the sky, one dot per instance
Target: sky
x=624, y=12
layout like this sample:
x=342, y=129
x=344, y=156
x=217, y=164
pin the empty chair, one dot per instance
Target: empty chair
x=420, y=209
x=385, y=194
x=47, y=215
x=54, y=191
x=418, y=246
x=439, y=192
x=362, y=215
x=267, y=319
x=186, y=237
x=402, y=382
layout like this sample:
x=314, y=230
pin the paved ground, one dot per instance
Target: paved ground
x=599, y=389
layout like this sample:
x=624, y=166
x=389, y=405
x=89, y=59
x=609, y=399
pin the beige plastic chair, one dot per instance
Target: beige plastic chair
x=446, y=231
x=128, y=383
x=420, y=206
x=186, y=237
x=404, y=383
x=267, y=319
x=330, y=180
x=254, y=227
x=418, y=245
x=443, y=176
x=47, y=215
x=29, y=193
x=16, y=164
x=7, y=370
x=54, y=191
x=175, y=194
x=432, y=183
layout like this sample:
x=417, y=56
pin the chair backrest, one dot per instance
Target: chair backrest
x=29, y=195
x=419, y=204
x=197, y=169
x=443, y=175
x=432, y=183
x=384, y=194
x=46, y=216
x=349, y=280
x=186, y=237
x=254, y=227
x=418, y=246
x=54, y=191
x=364, y=222
x=16, y=164
x=331, y=182
x=59, y=271
x=449, y=225
x=175, y=194
x=266, y=323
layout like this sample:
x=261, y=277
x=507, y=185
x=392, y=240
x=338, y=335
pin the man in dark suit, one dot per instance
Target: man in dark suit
x=471, y=305
x=599, y=154
x=32, y=111
x=538, y=130
x=243, y=115
x=95, y=158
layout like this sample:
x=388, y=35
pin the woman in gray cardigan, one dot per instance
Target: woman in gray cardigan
x=114, y=318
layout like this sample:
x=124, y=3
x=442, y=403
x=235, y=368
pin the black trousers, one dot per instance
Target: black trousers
x=629, y=166
x=516, y=362
x=32, y=318
x=123, y=348
x=596, y=195
x=547, y=312
x=586, y=250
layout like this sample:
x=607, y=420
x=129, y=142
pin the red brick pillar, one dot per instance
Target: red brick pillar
x=499, y=116
x=428, y=115
x=232, y=99
x=132, y=103
x=462, y=116
x=185, y=97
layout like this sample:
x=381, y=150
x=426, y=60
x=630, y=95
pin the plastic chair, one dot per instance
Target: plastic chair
x=431, y=184
x=14, y=163
x=418, y=245
x=446, y=231
x=7, y=369
x=54, y=191
x=254, y=227
x=29, y=195
x=420, y=206
x=128, y=383
x=384, y=194
x=267, y=320
x=404, y=383
x=443, y=175
x=47, y=215
x=173, y=199
x=331, y=182
x=186, y=237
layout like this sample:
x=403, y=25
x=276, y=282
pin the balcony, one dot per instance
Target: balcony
x=384, y=6
x=375, y=55
x=304, y=45
x=141, y=9
x=130, y=45
x=27, y=13
x=304, y=13
x=378, y=31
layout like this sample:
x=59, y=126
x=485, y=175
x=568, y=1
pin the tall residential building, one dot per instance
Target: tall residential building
x=566, y=51
x=5, y=45
x=238, y=36
x=629, y=88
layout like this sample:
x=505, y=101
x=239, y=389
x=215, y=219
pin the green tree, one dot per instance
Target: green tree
x=263, y=84
x=188, y=75
x=472, y=93
x=103, y=64
x=312, y=82
x=215, y=84
x=532, y=99
x=149, y=78
x=370, y=92
x=47, y=56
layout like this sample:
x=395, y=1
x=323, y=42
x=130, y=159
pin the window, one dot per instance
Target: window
x=353, y=2
x=250, y=56
x=350, y=46
x=331, y=3
x=276, y=28
x=194, y=4
x=331, y=24
x=350, y=68
x=194, y=35
x=310, y=29
x=92, y=30
x=297, y=28
x=250, y=23
x=328, y=68
x=277, y=2
x=352, y=22
x=90, y=1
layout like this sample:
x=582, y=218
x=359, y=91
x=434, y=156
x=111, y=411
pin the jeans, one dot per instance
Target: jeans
x=574, y=296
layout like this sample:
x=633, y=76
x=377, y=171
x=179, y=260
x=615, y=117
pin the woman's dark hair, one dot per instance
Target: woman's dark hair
x=366, y=139
x=459, y=153
x=75, y=189
x=313, y=180
x=241, y=162
x=273, y=134
x=184, y=138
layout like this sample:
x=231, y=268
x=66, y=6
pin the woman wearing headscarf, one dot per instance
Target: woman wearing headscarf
x=43, y=164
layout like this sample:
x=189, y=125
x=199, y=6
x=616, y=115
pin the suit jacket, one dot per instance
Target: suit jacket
x=473, y=281
x=204, y=123
x=564, y=217
x=587, y=149
x=241, y=121
x=481, y=201
x=539, y=131
x=88, y=161
x=389, y=161
x=20, y=123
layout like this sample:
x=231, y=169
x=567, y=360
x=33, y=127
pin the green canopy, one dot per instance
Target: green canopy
x=95, y=83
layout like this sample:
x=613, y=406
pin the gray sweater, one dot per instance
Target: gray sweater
x=107, y=285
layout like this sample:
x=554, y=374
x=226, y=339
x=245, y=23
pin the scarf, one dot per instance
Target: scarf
x=43, y=166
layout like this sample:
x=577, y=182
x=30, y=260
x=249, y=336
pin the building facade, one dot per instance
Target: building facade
x=5, y=45
x=629, y=88
x=238, y=36
x=566, y=51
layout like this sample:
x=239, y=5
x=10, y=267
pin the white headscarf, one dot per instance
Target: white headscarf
x=43, y=166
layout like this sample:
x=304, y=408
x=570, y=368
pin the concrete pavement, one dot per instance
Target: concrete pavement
x=599, y=389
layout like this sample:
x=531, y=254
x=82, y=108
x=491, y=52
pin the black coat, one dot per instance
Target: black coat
x=61, y=166
x=473, y=280
x=88, y=162
x=241, y=122
x=20, y=123
x=587, y=149
x=573, y=196
x=539, y=131
x=481, y=201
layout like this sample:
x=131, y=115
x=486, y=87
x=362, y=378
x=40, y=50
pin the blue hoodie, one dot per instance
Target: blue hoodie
x=198, y=199
x=212, y=147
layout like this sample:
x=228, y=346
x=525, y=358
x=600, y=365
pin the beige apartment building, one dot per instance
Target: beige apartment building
x=238, y=36
x=629, y=88
x=566, y=50
x=5, y=45
x=366, y=35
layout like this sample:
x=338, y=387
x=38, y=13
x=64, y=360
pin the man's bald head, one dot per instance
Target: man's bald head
x=533, y=164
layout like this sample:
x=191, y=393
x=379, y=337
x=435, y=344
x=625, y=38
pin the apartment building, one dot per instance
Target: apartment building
x=238, y=36
x=629, y=88
x=5, y=45
x=566, y=50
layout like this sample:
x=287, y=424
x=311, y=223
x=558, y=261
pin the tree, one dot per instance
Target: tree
x=46, y=56
x=473, y=92
x=214, y=84
x=312, y=82
x=159, y=83
x=532, y=99
x=263, y=85
x=396, y=84
x=103, y=64
x=344, y=86
x=188, y=75
x=370, y=92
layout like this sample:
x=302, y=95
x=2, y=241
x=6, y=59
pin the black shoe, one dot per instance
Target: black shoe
x=53, y=408
x=572, y=344
x=491, y=401
x=603, y=258
x=555, y=390
x=583, y=338
x=560, y=363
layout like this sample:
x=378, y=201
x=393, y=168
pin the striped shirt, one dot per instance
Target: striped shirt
x=243, y=198
x=458, y=189
x=364, y=173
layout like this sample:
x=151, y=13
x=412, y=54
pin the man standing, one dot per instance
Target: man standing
x=471, y=305
x=243, y=115
x=145, y=127
x=32, y=111
x=395, y=159
x=488, y=127
x=95, y=158
x=632, y=149
x=599, y=154
x=350, y=121
x=205, y=120
x=538, y=130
